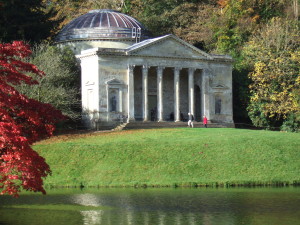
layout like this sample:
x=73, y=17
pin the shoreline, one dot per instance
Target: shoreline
x=144, y=186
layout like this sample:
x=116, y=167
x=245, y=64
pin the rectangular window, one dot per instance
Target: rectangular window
x=218, y=105
x=134, y=32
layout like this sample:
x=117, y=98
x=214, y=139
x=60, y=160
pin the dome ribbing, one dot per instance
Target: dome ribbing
x=103, y=24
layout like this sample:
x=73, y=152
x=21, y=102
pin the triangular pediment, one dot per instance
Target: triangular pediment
x=168, y=46
x=220, y=86
x=114, y=82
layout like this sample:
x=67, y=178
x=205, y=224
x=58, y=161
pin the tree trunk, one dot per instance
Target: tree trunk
x=295, y=9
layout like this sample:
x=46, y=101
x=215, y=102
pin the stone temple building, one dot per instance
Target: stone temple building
x=127, y=74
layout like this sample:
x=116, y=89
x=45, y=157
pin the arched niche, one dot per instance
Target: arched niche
x=114, y=89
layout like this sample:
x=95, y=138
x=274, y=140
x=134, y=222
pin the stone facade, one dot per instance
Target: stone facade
x=160, y=79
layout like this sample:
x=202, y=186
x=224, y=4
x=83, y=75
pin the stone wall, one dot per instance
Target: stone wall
x=221, y=89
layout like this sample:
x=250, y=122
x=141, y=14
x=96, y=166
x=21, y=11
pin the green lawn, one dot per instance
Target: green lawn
x=168, y=157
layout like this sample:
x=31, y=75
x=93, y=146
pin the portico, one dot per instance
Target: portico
x=174, y=91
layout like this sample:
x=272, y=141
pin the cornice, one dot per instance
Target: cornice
x=122, y=53
x=97, y=40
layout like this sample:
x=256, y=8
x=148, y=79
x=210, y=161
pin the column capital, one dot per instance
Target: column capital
x=145, y=69
x=192, y=70
x=131, y=67
x=160, y=68
x=177, y=69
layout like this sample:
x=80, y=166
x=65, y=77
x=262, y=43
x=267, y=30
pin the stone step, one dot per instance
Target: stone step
x=116, y=126
x=151, y=125
x=110, y=125
x=120, y=127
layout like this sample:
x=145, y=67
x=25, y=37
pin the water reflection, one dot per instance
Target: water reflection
x=161, y=218
x=86, y=199
x=92, y=217
x=155, y=206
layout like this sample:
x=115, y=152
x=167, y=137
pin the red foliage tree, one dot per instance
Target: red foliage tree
x=23, y=121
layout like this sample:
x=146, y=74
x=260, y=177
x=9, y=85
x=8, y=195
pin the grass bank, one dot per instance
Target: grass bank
x=171, y=157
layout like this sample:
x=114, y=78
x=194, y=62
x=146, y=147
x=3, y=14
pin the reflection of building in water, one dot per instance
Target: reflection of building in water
x=146, y=220
x=161, y=218
x=125, y=211
x=178, y=219
x=136, y=217
x=86, y=200
x=207, y=219
x=192, y=219
x=130, y=217
x=92, y=217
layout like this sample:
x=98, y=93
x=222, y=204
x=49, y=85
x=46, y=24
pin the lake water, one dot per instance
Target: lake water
x=114, y=206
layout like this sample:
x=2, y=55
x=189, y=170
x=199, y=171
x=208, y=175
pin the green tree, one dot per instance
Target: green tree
x=25, y=20
x=193, y=26
x=60, y=86
x=162, y=17
x=237, y=19
x=68, y=10
x=274, y=53
x=233, y=24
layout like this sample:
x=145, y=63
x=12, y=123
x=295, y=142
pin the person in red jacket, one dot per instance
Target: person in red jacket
x=205, y=121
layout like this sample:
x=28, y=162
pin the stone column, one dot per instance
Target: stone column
x=176, y=94
x=205, y=93
x=120, y=100
x=130, y=100
x=191, y=91
x=145, y=93
x=160, y=93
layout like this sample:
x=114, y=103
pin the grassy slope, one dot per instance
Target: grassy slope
x=173, y=156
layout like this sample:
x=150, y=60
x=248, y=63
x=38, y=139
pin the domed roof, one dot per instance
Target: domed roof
x=103, y=24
